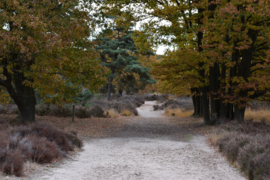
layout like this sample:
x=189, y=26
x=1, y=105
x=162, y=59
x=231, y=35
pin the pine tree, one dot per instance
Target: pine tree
x=118, y=52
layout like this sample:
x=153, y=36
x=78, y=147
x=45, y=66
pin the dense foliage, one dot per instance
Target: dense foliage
x=44, y=46
x=221, y=51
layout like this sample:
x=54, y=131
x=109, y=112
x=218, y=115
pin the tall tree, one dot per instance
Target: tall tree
x=44, y=45
x=119, y=53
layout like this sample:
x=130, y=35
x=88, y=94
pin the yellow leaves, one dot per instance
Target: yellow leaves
x=4, y=97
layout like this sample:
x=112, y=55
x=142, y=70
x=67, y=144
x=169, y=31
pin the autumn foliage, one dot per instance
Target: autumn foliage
x=44, y=45
x=221, y=51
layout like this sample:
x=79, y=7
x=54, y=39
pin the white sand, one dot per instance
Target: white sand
x=125, y=158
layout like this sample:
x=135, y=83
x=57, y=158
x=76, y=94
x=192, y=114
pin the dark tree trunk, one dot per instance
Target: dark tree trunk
x=230, y=111
x=198, y=105
x=110, y=84
x=23, y=96
x=239, y=113
x=109, y=88
x=214, y=88
x=205, y=104
x=201, y=106
x=223, y=106
x=196, y=101
x=27, y=105
x=204, y=89
x=194, y=104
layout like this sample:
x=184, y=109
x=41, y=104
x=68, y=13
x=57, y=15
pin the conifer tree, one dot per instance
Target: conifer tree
x=119, y=53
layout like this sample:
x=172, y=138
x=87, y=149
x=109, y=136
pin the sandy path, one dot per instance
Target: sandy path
x=146, y=148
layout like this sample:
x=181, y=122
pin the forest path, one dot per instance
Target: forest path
x=147, y=147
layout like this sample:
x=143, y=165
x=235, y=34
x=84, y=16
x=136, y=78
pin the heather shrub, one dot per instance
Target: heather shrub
x=222, y=142
x=233, y=145
x=42, y=109
x=60, y=111
x=259, y=166
x=52, y=134
x=82, y=113
x=97, y=111
x=248, y=152
x=39, y=142
x=2, y=109
x=13, y=163
x=73, y=138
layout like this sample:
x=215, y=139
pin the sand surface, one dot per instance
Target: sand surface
x=148, y=147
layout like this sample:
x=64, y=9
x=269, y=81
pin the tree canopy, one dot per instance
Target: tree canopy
x=45, y=45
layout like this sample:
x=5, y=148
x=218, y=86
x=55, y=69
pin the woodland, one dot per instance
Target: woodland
x=219, y=51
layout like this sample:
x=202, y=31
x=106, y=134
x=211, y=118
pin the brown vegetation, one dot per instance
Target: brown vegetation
x=247, y=145
x=40, y=142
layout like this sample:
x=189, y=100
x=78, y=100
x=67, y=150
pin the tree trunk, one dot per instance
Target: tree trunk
x=198, y=105
x=27, y=105
x=223, y=106
x=239, y=114
x=110, y=85
x=201, y=106
x=214, y=88
x=196, y=101
x=109, y=88
x=205, y=103
x=23, y=96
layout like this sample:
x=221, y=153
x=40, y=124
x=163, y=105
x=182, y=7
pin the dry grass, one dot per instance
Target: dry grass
x=87, y=127
x=214, y=137
x=257, y=115
x=113, y=113
x=126, y=112
x=178, y=113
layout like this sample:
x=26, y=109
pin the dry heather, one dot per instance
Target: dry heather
x=112, y=113
x=247, y=145
x=126, y=112
x=258, y=114
x=40, y=142
x=178, y=113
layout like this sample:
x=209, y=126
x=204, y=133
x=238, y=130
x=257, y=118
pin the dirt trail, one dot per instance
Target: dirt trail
x=147, y=147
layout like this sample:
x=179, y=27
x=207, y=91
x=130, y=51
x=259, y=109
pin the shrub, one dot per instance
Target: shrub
x=112, y=113
x=38, y=142
x=42, y=110
x=43, y=151
x=236, y=142
x=45, y=130
x=75, y=141
x=82, y=113
x=2, y=109
x=222, y=142
x=96, y=111
x=61, y=111
x=125, y=112
x=248, y=152
x=259, y=166
x=13, y=163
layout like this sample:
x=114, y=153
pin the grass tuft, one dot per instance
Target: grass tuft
x=258, y=115
x=126, y=112
x=178, y=113
x=113, y=113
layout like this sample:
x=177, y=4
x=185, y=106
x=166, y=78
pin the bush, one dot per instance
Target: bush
x=42, y=110
x=97, y=111
x=61, y=111
x=259, y=166
x=248, y=152
x=13, y=163
x=38, y=142
x=233, y=145
x=2, y=109
x=82, y=113
x=75, y=141
x=125, y=112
